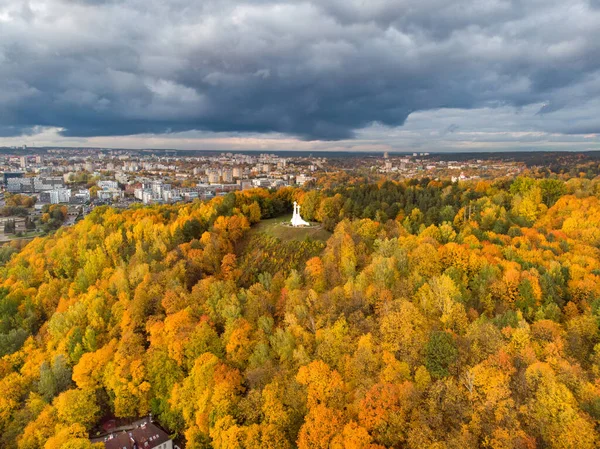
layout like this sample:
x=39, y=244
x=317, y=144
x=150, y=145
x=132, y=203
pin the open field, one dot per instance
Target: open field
x=274, y=228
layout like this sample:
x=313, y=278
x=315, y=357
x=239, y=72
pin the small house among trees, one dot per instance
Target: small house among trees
x=145, y=436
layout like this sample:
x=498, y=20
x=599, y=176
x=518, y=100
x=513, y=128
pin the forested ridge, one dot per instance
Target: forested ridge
x=437, y=315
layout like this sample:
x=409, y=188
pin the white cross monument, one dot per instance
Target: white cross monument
x=296, y=218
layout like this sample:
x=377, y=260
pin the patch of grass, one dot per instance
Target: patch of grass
x=274, y=228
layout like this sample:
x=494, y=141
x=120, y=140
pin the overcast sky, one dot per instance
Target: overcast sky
x=428, y=75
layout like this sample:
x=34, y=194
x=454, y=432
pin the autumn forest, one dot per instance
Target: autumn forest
x=433, y=315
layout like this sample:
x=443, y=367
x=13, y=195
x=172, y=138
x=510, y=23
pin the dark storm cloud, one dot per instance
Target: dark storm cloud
x=316, y=70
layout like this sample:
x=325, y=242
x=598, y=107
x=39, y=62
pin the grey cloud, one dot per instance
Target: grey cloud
x=12, y=131
x=316, y=69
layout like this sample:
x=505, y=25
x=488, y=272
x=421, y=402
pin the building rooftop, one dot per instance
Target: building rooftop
x=145, y=436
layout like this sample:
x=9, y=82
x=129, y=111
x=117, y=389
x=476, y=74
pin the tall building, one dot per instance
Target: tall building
x=23, y=161
x=214, y=177
x=11, y=175
x=41, y=184
x=227, y=176
x=56, y=196
x=19, y=185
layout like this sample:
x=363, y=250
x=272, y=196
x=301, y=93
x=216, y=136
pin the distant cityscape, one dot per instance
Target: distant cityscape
x=79, y=180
